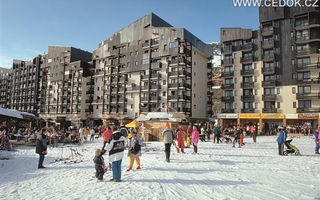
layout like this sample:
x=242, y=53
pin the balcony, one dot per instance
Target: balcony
x=155, y=75
x=308, y=66
x=227, y=73
x=269, y=110
x=227, y=62
x=247, y=98
x=155, y=98
x=123, y=79
x=90, y=83
x=186, y=110
x=304, y=52
x=122, y=100
x=245, y=85
x=266, y=31
x=268, y=57
x=270, y=83
x=269, y=97
x=145, y=45
x=179, y=85
x=308, y=110
x=308, y=96
x=145, y=76
x=247, y=72
x=309, y=81
x=223, y=110
x=227, y=49
x=89, y=101
x=268, y=44
x=247, y=110
x=156, y=65
x=227, y=98
x=154, y=42
x=91, y=91
x=227, y=86
x=247, y=47
x=302, y=39
x=155, y=87
x=246, y=59
x=145, y=87
x=144, y=109
x=179, y=97
x=268, y=70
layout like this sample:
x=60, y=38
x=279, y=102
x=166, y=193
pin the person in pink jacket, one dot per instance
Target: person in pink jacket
x=195, y=139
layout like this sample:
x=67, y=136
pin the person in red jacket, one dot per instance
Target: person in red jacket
x=106, y=136
x=180, y=142
x=241, y=139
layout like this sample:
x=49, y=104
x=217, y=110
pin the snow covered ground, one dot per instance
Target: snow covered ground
x=217, y=172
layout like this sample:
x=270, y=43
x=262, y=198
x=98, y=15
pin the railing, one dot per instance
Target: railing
x=227, y=62
x=227, y=49
x=247, y=97
x=223, y=110
x=247, y=84
x=308, y=95
x=313, y=110
x=247, y=110
x=156, y=65
x=227, y=98
x=247, y=71
x=269, y=83
x=269, y=97
x=268, y=70
x=226, y=74
x=227, y=86
x=269, y=110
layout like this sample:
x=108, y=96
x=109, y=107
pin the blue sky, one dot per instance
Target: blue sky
x=28, y=27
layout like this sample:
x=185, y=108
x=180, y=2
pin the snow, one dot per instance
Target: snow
x=219, y=171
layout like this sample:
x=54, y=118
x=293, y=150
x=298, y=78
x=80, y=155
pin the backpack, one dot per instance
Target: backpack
x=136, y=148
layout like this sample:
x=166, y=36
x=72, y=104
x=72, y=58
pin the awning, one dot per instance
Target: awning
x=133, y=124
x=10, y=113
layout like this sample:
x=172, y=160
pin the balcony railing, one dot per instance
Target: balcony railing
x=156, y=65
x=179, y=97
x=247, y=46
x=247, y=110
x=247, y=98
x=227, y=62
x=247, y=72
x=227, y=74
x=144, y=109
x=309, y=81
x=308, y=96
x=307, y=66
x=269, y=110
x=155, y=75
x=270, y=83
x=227, y=98
x=267, y=44
x=227, y=86
x=265, y=31
x=223, y=110
x=269, y=97
x=155, y=98
x=155, y=87
x=268, y=70
x=247, y=84
x=308, y=110
x=227, y=49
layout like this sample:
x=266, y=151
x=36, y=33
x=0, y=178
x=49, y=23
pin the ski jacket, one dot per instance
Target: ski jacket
x=116, y=147
x=195, y=136
x=168, y=135
x=133, y=141
x=316, y=136
x=281, y=137
x=106, y=135
x=41, y=144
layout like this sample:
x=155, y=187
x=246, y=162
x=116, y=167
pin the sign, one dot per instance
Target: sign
x=308, y=116
x=227, y=116
x=272, y=116
x=291, y=116
x=249, y=116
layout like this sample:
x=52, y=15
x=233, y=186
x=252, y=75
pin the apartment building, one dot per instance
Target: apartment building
x=65, y=73
x=5, y=79
x=272, y=75
x=150, y=66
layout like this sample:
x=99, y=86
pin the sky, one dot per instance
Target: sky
x=28, y=27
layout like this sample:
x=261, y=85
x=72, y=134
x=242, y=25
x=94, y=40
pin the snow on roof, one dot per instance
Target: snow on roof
x=10, y=113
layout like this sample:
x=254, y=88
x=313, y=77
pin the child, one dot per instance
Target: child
x=99, y=163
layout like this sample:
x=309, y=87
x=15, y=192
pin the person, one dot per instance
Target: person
x=281, y=140
x=92, y=133
x=99, y=164
x=115, y=148
x=168, y=136
x=237, y=133
x=208, y=132
x=241, y=136
x=134, y=152
x=81, y=133
x=316, y=135
x=124, y=131
x=255, y=133
x=202, y=135
x=106, y=136
x=215, y=133
x=195, y=139
x=189, y=130
x=180, y=142
x=41, y=148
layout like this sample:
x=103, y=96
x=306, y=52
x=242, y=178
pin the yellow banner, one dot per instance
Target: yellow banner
x=249, y=116
x=272, y=116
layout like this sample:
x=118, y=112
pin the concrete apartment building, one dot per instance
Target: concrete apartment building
x=272, y=76
x=64, y=77
x=5, y=79
x=150, y=66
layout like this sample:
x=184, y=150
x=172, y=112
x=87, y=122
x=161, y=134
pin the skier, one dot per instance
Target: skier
x=180, y=142
x=134, y=152
x=99, y=164
x=281, y=140
x=316, y=135
x=168, y=136
x=195, y=139
x=41, y=148
x=115, y=148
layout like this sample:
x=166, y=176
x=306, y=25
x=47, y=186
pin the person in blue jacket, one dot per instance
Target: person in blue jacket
x=281, y=140
x=316, y=140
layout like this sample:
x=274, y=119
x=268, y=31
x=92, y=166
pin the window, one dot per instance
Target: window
x=303, y=75
x=165, y=47
x=235, y=93
x=278, y=90
x=293, y=90
x=163, y=94
x=97, y=107
x=131, y=95
x=173, y=45
x=294, y=104
x=304, y=89
x=256, y=105
x=278, y=104
x=145, y=61
x=248, y=105
x=228, y=93
x=136, y=63
x=305, y=104
x=136, y=53
x=131, y=106
x=164, y=82
x=131, y=54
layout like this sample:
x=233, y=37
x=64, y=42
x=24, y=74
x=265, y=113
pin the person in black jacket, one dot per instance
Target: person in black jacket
x=41, y=148
x=99, y=163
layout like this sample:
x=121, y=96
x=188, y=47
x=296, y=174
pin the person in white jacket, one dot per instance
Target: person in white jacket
x=116, y=148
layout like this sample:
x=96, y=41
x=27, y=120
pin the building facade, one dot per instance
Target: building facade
x=5, y=84
x=65, y=73
x=272, y=75
x=150, y=66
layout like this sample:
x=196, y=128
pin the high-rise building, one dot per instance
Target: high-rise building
x=150, y=66
x=272, y=75
x=5, y=79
